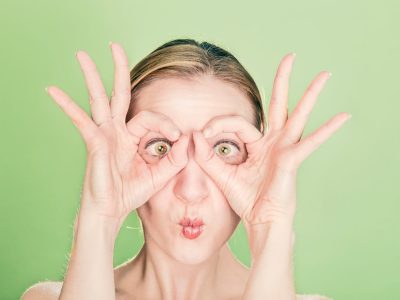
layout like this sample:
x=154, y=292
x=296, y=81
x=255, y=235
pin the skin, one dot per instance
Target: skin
x=257, y=185
x=176, y=267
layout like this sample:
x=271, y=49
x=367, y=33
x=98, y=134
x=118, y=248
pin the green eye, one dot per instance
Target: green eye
x=158, y=147
x=227, y=148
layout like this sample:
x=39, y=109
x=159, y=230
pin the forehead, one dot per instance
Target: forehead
x=192, y=103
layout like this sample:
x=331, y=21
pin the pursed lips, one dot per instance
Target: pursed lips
x=195, y=222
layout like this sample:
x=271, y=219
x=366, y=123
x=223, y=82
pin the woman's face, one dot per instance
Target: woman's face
x=191, y=193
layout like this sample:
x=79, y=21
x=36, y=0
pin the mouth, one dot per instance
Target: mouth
x=191, y=228
x=195, y=222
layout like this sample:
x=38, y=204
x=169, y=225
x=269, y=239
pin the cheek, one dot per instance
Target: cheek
x=225, y=215
x=150, y=159
x=153, y=212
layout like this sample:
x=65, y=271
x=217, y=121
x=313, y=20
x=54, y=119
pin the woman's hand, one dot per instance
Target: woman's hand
x=263, y=188
x=117, y=179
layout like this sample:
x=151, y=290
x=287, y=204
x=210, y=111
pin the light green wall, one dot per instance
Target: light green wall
x=347, y=224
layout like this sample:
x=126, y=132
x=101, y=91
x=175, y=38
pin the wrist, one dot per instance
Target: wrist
x=259, y=234
x=271, y=272
x=279, y=235
x=93, y=225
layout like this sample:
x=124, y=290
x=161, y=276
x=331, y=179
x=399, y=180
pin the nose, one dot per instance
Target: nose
x=191, y=182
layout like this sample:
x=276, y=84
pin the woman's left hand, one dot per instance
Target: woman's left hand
x=262, y=190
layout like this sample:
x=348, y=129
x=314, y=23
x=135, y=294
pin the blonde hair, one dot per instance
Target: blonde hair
x=187, y=58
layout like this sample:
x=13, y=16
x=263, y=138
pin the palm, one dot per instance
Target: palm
x=263, y=188
x=262, y=180
x=117, y=179
x=275, y=183
x=120, y=171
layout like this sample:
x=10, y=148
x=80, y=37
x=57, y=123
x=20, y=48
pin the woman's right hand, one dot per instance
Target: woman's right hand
x=117, y=179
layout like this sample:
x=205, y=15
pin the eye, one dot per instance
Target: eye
x=159, y=147
x=228, y=147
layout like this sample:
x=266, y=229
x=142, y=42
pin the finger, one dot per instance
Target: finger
x=208, y=160
x=171, y=164
x=121, y=93
x=314, y=140
x=246, y=131
x=79, y=118
x=99, y=103
x=146, y=121
x=278, y=105
x=295, y=125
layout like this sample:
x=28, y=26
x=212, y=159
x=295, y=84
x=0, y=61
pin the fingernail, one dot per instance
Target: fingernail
x=46, y=90
x=109, y=44
x=330, y=74
x=294, y=54
x=207, y=132
x=349, y=116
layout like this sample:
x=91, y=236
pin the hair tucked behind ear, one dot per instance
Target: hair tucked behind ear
x=187, y=58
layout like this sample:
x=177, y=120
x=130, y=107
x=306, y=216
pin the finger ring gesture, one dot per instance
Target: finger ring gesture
x=263, y=188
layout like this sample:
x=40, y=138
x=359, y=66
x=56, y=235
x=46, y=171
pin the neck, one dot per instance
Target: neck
x=166, y=278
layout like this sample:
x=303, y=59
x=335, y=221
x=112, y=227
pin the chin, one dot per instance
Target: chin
x=199, y=249
x=191, y=257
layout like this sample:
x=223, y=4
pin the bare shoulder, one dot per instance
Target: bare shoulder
x=312, y=297
x=298, y=297
x=46, y=290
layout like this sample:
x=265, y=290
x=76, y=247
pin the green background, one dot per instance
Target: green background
x=347, y=224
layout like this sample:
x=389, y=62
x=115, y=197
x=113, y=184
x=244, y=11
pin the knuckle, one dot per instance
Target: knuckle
x=126, y=91
x=143, y=114
x=274, y=100
x=238, y=118
x=303, y=112
x=123, y=91
x=312, y=88
x=219, y=118
x=97, y=97
x=280, y=75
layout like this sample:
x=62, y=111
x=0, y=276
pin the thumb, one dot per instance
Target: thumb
x=215, y=167
x=171, y=164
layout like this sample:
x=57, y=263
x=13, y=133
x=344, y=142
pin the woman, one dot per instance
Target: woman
x=148, y=149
